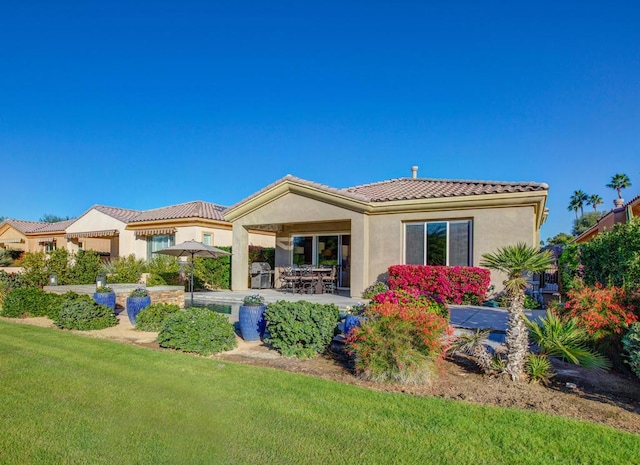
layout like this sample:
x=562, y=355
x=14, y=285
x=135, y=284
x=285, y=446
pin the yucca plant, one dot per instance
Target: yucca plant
x=473, y=344
x=539, y=368
x=565, y=339
x=516, y=261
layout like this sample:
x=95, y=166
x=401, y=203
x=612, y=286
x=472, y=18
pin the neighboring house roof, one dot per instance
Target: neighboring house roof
x=23, y=226
x=58, y=226
x=196, y=209
x=121, y=214
x=594, y=230
x=425, y=188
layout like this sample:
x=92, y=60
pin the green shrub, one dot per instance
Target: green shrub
x=163, y=270
x=398, y=343
x=125, y=270
x=375, y=289
x=9, y=282
x=84, y=314
x=58, y=264
x=27, y=302
x=258, y=253
x=214, y=273
x=300, y=329
x=152, y=317
x=530, y=303
x=87, y=265
x=631, y=344
x=197, y=330
x=5, y=258
x=35, y=272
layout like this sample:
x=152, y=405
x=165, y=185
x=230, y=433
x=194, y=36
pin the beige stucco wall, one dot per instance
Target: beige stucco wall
x=376, y=239
x=95, y=220
x=12, y=233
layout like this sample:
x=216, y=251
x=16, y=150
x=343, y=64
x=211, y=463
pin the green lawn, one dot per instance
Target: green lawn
x=66, y=398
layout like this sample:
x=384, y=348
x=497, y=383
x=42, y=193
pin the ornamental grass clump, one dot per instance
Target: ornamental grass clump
x=197, y=330
x=430, y=303
x=398, y=343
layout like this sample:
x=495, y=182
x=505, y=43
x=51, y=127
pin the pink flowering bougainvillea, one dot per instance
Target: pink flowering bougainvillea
x=454, y=284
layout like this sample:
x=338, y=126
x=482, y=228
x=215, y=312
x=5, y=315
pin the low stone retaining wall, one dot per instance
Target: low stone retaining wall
x=159, y=294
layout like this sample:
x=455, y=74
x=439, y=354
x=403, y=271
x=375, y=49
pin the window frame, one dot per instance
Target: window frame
x=425, y=252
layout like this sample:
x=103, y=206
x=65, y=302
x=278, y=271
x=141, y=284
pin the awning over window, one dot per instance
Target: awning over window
x=155, y=232
x=11, y=241
x=46, y=240
x=89, y=234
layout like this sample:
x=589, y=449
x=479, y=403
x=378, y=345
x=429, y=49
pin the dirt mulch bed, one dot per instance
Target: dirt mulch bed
x=601, y=397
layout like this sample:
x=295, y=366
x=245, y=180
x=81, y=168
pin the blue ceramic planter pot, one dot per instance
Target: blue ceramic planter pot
x=350, y=322
x=252, y=324
x=134, y=305
x=105, y=298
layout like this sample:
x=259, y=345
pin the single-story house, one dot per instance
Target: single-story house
x=619, y=214
x=115, y=231
x=364, y=229
x=121, y=232
x=33, y=236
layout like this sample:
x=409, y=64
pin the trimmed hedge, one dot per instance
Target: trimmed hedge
x=300, y=329
x=28, y=302
x=84, y=314
x=455, y=284
x=197, y=330
x=152, y=317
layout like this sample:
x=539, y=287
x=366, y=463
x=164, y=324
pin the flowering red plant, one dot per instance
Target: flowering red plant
x=454, y=284
x=601, y=310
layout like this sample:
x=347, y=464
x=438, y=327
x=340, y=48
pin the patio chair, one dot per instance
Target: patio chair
x=308, y=280
x=288, y=278
x=329, y=281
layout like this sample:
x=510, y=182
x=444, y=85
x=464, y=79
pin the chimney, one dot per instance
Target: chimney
x=414, y=172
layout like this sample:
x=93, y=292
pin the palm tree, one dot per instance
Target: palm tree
x=594, y=200
x=516, y=261
x=573, y=205
x=579, y=198
x=618, y=182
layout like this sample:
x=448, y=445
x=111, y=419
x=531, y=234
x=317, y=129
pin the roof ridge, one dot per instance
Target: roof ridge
x=457, y=181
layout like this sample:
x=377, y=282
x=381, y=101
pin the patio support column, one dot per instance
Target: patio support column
x=240, y=258
x=359, y=255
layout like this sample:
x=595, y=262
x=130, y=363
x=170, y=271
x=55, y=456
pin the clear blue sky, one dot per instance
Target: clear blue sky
x=147, y=104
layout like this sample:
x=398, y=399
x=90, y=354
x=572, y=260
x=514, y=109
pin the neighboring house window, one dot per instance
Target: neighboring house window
x=207, y=239
x=49, y=246
x=438, y=243
x=155, y=243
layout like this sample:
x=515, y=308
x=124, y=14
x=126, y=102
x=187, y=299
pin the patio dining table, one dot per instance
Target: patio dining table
x=313, y=276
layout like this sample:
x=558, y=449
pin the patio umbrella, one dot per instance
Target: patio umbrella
x=193, y=249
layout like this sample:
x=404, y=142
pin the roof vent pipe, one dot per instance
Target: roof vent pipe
x=414, y=172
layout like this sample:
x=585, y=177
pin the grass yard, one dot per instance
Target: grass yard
x=66, y=398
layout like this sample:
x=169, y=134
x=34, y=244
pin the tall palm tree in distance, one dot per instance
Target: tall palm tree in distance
x=594, y=200
x=618, y=182
x=577, y=201
x=516, y=261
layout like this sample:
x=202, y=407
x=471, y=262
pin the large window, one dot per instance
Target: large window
x=438, y=243
x=155, y=243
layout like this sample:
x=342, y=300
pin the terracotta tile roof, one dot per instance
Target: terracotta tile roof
x=425, y=188
x=196, y=209
x=303, y=182
x=25, y=226
x=59, y=226
x=122, y=214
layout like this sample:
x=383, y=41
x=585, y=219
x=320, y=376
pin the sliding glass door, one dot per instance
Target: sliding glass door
x=325, y=251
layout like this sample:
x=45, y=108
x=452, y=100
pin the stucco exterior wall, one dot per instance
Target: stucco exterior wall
x=377, y=240
x=94, y=220
x=12, y=233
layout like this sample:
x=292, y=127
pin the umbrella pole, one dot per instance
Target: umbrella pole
x=192, y=279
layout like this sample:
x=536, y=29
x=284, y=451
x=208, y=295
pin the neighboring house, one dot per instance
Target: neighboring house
x=617, y=215
x=114, y=231
x=33, y=236
x=365, y=229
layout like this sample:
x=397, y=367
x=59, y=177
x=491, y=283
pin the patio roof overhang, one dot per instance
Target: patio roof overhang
x=93, y=234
